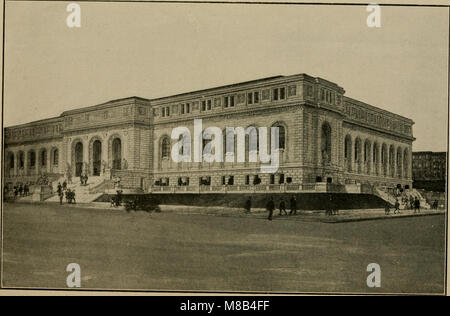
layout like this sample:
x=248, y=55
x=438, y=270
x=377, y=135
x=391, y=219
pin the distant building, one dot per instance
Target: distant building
x=429, y=170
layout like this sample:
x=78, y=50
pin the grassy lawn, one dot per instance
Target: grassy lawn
x=167, y=251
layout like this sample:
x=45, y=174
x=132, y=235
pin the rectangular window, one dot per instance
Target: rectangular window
x=232, y=100
x=209, y=105
x=225, y=102
x=224, y=180
x=182, y=109
x=322, y=95
x=256, y=97
x=168, y=111
x=249, y=98
x=272, y=179
x=275, y=94
x=163, y=112
x=282, y=178
x=247, y=180
x=282, y=93
x=203, y=105
x=188, y=108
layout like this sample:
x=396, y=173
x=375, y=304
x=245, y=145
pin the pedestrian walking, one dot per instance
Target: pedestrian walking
x=283, y=207
x=60, y=193
x=118, y=197
x=61, y=197
x=73, y=197
x=329, y=206
x=248, y=205
x=270, y=208
x=396, y=207
x=293, y=206
x=416, y=205
x=387, y=209
x=68, y=196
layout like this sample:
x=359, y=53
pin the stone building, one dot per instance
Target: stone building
x=429, y=170
x=327, y=140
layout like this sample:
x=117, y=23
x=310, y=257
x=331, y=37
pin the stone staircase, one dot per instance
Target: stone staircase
x=388, y=197
x=391, y=199
x=83, y=193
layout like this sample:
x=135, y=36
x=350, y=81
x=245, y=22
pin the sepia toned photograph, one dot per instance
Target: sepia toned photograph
x=247, y=148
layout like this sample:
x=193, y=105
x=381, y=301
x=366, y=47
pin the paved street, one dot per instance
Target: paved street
x=187, y=251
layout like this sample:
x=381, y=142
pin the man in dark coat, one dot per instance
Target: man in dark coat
x=60, y=193
x=270, y=207
x=248, y=205
x=283, y=207
x=417, y=205
x=387, y=209
x=397, y=207
x=293, y=206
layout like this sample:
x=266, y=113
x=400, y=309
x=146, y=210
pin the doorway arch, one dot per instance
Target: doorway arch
x=78, y=159
x=96, y=157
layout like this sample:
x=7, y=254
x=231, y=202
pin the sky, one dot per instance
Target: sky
x=153, y=50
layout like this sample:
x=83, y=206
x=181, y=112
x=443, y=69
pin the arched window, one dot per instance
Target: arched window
x=326, y=142
x=391, y=160
x=384, y=161
x=207, y=137
x=357, y=150
x=32, y=159
x=78, y=157
x=180, y=139
x=366, y=151
x=347, y=147
x=11, y=161
x=117, y=153
x=165, y=147
x=21, y=159
x=55, y=157
x=281, y=136
x=253, y=139
x=43, y=157
x=375, y=157
x=367, y=162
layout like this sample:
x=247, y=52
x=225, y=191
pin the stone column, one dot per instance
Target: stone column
x=36, y=162
x=400, y=165
x=394, y=162
x=409, y=164
x=86, y=157
x=16, y=165
x=25, y=162
x=49, y=160
x=350, y=156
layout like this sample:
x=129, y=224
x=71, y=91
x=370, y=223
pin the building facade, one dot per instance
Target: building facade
x=324, y=137
x=429, y=170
